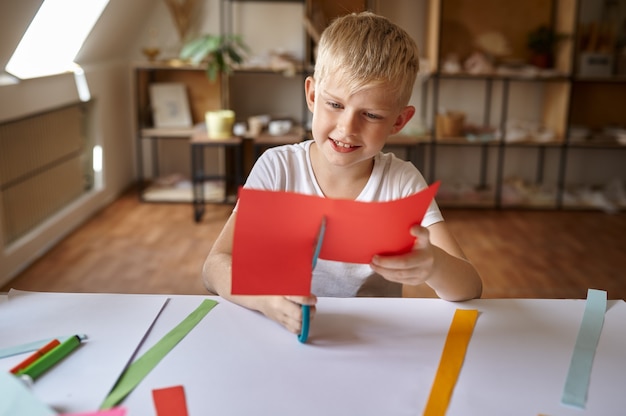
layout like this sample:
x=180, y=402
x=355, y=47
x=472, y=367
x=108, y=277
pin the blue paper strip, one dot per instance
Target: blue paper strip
x=577, y=382
x=32, y=346
x=17, y=399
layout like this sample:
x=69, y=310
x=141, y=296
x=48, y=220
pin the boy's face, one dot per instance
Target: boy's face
x=349, y=127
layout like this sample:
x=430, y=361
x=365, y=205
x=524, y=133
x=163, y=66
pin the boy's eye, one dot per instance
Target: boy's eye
x=373, y=116
x=333, y=104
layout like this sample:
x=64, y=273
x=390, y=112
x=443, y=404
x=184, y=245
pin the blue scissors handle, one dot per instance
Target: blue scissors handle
x=306, y=309
x=306, y=317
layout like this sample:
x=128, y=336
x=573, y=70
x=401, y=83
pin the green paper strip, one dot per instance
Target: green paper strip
x=577, y=382
x=140, y=368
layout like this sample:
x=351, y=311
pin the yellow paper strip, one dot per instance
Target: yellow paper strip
x=451, y=361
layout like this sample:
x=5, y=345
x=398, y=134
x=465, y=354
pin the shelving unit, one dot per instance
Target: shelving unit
x=160, y=177
x=163, y=154
x=506, y=171
x=594, y=167
x=492, y=170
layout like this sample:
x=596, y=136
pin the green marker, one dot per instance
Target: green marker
x=51, y=358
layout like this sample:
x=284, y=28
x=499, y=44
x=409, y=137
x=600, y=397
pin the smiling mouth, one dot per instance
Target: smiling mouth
x=344, y=145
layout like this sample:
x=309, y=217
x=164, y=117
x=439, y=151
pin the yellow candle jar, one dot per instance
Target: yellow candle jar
x=219, y=124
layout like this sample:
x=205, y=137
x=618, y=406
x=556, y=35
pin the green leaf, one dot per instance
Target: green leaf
x=211, y=72
x=200, y=48
x=234, y=56
x=219, y=52
x=220, y=62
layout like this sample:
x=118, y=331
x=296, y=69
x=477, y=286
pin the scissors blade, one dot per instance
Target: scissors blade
x=320, y=240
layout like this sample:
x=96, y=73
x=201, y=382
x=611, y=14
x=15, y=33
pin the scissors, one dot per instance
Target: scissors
x=306, y=309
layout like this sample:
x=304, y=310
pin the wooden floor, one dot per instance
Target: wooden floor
x=133, y=247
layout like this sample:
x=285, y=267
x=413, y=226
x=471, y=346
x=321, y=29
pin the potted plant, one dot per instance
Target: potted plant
x=218, y=52
x=541, y=42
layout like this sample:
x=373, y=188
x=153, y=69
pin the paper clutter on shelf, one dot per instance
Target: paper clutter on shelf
x=279, y=127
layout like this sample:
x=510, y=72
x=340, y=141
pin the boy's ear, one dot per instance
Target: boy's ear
x=309, y=92
x=404, y=117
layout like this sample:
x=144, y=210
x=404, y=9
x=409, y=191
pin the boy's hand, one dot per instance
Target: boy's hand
x=287, y=310
x=411, y=268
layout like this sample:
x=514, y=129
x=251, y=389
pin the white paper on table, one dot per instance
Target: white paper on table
x=368, y=357
x=115, y=325
x=379, y=357
x=358, y=360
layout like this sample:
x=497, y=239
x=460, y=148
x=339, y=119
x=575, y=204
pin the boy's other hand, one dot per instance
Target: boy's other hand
x=412, y=268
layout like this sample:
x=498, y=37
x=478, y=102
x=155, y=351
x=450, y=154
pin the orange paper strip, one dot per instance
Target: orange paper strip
x=451, y=361
x=170, y=401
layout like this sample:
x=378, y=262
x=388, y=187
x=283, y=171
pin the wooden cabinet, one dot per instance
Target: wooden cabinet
x=516, y=148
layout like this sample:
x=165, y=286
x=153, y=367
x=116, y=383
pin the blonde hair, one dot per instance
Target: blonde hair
x=366, y=49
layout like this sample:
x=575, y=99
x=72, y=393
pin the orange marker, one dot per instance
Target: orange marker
x=35, y=356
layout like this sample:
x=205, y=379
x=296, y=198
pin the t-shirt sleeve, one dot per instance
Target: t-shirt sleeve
x=260, y=176
x=413, y=181
x=263, y=173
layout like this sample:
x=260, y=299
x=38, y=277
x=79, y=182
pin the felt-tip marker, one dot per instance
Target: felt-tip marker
x=51, y=358
x=35, y=356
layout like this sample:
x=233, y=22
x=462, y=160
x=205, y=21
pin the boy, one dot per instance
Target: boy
x=358, y=95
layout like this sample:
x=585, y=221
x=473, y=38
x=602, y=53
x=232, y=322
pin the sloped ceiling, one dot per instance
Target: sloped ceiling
x=15, y=17
x=112, y=38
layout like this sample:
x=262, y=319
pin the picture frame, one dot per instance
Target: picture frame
x=170, y=105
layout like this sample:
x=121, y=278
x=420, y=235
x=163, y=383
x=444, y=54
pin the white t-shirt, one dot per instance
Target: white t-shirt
x=288, y=168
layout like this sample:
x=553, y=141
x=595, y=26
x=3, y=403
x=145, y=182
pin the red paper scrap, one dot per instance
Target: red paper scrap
x=170, y=401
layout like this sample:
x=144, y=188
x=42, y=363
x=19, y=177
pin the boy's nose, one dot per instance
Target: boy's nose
x=347, y=123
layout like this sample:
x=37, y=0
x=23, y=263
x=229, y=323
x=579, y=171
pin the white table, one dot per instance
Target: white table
x=371, y=356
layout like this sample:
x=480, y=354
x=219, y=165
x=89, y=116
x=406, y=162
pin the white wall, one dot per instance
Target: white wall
x=108, y=75
x=109, y=85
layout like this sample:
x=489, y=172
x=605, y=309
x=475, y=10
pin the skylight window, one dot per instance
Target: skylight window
x=52, y=41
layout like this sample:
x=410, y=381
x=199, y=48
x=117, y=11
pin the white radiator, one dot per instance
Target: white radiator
x=45, y=164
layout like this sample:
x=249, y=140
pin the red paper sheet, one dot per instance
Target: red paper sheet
x=276, y=232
